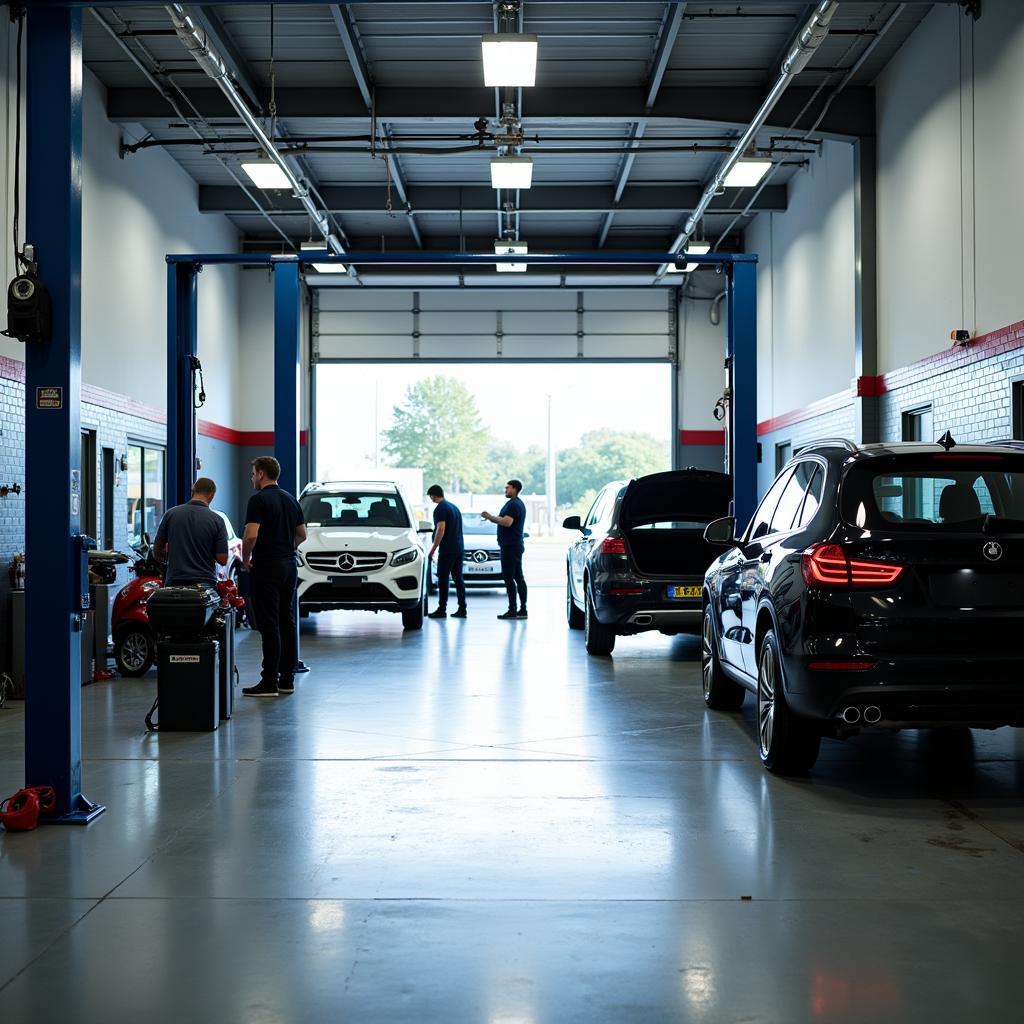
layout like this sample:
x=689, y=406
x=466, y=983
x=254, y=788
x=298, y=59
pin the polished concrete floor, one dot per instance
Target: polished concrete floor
x=479, y=823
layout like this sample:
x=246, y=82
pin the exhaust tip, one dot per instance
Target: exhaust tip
x=872, y=714
x=643, y=620
x=851, y=715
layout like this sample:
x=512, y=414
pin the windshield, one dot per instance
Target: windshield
x=473, y=524
x=353, y=508
x=943, y=491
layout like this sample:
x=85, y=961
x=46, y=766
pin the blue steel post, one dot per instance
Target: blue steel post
x=742, y=295
x=54, y=601
x=287, y=368
x=181, y=349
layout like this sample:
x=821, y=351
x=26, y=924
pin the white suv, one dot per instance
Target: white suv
x=362, y=550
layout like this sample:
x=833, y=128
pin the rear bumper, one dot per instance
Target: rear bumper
x=648, y=610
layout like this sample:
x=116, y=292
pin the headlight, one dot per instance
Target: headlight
x=405, y=556
x=299, y=560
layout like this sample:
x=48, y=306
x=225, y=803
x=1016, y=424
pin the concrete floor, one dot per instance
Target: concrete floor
x=479, y=823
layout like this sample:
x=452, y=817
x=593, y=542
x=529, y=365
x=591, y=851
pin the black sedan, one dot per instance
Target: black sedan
x=639, y=561
x=877, y=586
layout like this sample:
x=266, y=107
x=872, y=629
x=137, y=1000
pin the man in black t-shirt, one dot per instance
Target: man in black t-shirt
x=450, y=548
x=274, y=528
x=510, y=521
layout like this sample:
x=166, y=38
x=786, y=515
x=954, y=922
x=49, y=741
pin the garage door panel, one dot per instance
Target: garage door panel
x=625, y=322
x=378, y=347
x=622, y=300
x=538, y=347
x=348, y=299
x=367, y=322
x=524, y=322
x=457, y=323
x=483, y=346
x=631, y=346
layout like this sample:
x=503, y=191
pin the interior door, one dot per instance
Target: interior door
x=88, y=464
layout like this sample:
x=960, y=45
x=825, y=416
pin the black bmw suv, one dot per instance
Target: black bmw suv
x=878, y=586
x=639, y=561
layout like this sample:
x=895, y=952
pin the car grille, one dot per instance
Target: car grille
x=474, y=556
x=362, y=561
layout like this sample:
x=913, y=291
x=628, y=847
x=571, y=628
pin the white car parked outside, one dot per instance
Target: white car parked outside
x=362, y=551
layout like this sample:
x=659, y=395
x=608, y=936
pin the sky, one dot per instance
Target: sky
x=512, y=399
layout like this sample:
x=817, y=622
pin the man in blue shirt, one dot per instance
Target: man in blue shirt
x=450, y=549
x=510, y=521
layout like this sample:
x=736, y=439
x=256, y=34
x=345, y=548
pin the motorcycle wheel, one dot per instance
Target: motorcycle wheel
x=134, y=650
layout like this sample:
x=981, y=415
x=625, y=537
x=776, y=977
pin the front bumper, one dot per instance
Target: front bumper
x=392, y=588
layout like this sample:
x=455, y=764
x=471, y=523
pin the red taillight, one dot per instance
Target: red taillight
x=841, y=666
x=828, y=565
x=613, y=546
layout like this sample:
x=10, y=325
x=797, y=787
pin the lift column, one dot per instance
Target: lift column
x=54, y=598
x=287, y=369
x=742, y=297
x=182, y=318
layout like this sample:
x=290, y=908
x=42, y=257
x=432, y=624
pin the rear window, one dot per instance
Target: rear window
x=942, y=491
x=353, y=508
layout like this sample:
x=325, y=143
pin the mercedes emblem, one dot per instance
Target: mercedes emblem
x=993, y=551
x=346, y=563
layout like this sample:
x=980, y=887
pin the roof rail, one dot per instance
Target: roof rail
x=1007, y=442
x=830, y=442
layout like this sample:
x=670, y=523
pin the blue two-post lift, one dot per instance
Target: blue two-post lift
x=54, y=545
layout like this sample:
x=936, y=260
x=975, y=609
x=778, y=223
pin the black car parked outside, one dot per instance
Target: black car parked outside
x=874, y=586
x=639, y=562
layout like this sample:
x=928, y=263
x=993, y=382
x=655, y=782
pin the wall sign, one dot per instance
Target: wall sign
x=49, y=398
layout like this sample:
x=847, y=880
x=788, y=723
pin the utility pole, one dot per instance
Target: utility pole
x=551, y=476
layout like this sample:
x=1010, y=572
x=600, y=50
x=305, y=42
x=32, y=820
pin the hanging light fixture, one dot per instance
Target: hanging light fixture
x=323, y=268
x=266, y=174
x=747, y=171
x=694, y=248
x=511, y=172
x=510, y=59
x=510, y=247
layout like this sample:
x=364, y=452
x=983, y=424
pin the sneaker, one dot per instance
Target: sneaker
x=460, y=613
x=261, y=689
x=437, y=613
x=521, y=614
x=286, y=686
x=510, y=614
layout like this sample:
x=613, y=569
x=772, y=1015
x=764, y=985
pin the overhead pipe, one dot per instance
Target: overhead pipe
x=193, y=37
x=807, y=42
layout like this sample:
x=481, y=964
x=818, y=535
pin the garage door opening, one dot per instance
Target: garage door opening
x=471, y=427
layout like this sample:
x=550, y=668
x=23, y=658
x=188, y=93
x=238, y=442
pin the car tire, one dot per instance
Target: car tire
x=599, y=639
x=134, y=650
x=576, y=617
x=412, y=618
x=720, y=692
x=788, y=744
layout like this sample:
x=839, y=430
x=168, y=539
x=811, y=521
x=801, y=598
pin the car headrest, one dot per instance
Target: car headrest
x=383, y=511
x=958, y=503
x=325, y=510
x=348, y=517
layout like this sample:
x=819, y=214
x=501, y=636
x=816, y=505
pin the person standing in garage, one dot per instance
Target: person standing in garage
x=274, y=528
x=510, y=521
x=450, y=548
x=192, y=539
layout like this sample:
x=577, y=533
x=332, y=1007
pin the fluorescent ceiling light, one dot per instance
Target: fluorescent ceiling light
x=507, y=247
x=510, y=58
x=323, y=268
x=747, y=171
x=266, y=174
x=511, y=172
x=697, y=249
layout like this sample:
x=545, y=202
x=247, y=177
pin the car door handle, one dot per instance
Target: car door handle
x=766, y=556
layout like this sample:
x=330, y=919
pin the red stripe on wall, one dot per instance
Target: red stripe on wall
x=702, y=437
x=787, y=419
x=242, y=438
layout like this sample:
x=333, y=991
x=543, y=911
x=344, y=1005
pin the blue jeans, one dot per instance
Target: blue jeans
x=512, y=573
x=449, y=563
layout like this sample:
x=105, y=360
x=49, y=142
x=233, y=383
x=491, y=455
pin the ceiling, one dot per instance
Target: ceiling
x=634, y=108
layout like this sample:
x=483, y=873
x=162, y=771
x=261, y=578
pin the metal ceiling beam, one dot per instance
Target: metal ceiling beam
x=479, y=199
x=345, y=23
x=659, y=65
x=852, y=115
x=209, y=21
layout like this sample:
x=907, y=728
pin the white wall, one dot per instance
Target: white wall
x=950, y=107
x=805, y=286
x=702, y=349
x=134, y=212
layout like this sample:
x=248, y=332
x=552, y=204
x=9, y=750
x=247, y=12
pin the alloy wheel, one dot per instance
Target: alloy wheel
x=766, y=700
x=135, y=651
x=707, y=655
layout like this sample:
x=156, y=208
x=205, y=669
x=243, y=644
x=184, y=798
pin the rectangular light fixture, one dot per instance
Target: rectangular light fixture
x=323, y=268
x=698, y=249
x=510, y=58
x=511, y=172
x=507, y=247
x=747, y=171
x=266, y=174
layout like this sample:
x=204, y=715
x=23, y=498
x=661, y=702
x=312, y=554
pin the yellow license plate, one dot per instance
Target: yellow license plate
x=682, y=592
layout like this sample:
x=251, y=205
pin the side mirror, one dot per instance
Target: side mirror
x=572, y=523
x=722, y=532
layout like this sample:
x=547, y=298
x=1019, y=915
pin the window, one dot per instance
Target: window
x=813, y=495
x=789, y=501
x=353, y=508
x=145, y=491
x=763, y=516
x=783, y=453
x=1017, y=401
x=917, y=424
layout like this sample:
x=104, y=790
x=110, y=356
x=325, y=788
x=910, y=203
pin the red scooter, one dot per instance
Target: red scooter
x=134, y=639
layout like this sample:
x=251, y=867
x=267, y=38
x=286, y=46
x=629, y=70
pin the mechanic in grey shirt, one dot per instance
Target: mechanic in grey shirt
x=192, y=537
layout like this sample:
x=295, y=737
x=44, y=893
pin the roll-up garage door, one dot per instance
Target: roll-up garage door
x=378, y=325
